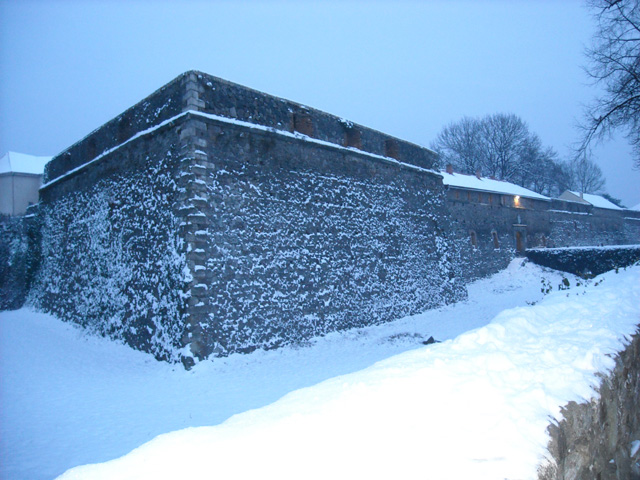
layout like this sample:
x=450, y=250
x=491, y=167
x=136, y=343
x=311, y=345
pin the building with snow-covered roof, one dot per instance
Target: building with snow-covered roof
x=20, y=179
x=497, y=219
x=596, y=201
x=477, y=183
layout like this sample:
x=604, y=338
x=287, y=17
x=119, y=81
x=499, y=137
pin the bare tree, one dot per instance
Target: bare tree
x=615, y=64
x=586, y=175
x=504, y=138
x=501, y=146
x=459, y=144
x=541, y=170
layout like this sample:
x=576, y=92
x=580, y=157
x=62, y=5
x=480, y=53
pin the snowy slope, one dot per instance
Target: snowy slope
x=478, y=401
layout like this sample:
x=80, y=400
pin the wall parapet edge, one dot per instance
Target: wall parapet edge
x=196, y=91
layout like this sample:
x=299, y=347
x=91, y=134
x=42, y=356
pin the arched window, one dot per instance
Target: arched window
x=494, y=237
x=303, y=123
x=519, y=242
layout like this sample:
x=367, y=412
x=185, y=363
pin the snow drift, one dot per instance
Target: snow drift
x=476, y=406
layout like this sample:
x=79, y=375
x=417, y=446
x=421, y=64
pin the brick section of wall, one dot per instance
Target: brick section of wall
x=235, y=101
x=165, y=103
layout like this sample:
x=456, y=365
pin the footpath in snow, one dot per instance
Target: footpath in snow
x=377, y=403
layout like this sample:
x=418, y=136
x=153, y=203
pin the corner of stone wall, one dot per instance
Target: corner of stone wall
x=194, y=225
x=191, y=99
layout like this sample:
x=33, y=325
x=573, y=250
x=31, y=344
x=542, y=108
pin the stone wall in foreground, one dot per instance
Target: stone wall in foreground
x=595, y=440
x=289, y=239
x=112, y=259
x=218, y=230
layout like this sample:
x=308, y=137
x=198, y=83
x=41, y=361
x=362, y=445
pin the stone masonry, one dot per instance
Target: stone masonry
x=212, y=219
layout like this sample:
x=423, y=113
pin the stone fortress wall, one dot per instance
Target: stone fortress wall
x=210, y=218
x=489, y=229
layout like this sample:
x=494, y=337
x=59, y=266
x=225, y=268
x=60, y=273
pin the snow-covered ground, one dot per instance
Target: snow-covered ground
x=379, y=403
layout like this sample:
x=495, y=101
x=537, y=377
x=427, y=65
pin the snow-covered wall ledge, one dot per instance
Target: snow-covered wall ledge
x=601, y=438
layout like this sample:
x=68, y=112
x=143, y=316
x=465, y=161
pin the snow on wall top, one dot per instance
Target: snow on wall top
x=200, y=92
x=13, y=162
x=487, y=184
x=597, y=201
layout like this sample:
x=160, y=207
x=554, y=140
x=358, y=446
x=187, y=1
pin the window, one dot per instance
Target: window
x=391, y=148
x=352, y=137
x=92, y=149
x=303, y=123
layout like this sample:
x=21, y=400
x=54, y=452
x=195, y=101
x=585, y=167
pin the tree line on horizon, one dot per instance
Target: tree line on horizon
x=501, y=146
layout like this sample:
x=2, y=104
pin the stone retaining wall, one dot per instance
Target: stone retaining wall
x=594, y=440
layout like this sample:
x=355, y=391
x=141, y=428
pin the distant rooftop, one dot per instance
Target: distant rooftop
x=636, y=208
x=488, y=185
x=596, y=200
x=13, y=162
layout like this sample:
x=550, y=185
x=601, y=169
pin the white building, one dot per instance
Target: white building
x=590, y=199
x=20, y=179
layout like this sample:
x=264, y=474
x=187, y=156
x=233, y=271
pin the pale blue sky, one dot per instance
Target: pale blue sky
x=405, y=68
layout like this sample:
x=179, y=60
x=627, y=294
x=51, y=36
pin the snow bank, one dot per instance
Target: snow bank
x=476, y=406
x=70, y=398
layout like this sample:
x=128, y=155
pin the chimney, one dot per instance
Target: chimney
x=581, y=195
x=478, y=174
x=449, y=169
